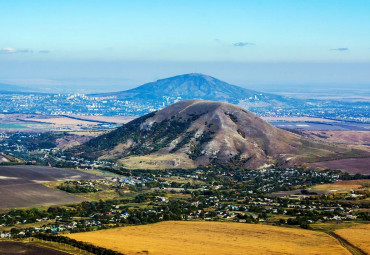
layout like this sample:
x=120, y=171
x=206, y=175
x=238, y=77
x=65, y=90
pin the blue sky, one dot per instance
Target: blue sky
x=130, y=42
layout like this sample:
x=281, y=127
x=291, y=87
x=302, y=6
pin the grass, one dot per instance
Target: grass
x=101, y=173
x=179, y=195
x=344, y=185
x=40, y=208
x=358, y=236
x=56, y=246
x=190, y=237
x=106, y=194
x=96, y=196
x=322, y=151
x=17, y=125
x=334, y=225
x=157, y=161
x=181, y=180
x=88, y=132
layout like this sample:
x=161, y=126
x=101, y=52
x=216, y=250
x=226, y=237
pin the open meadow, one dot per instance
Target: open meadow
x=190, y=237
x=157, y=161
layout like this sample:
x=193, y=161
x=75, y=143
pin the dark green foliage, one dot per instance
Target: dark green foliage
x=196, y=150
x=81, y=245
x=93, y=148
x=347, y=176
x=184, y=141
x=229, y=189
x=232, y=117
x=241, y=132
x=76, y=188
x=38, y=141
x=162, y=134
x=146, y=140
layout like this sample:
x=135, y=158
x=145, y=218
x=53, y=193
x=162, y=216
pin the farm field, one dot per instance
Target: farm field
x=356, y=139
x=24, y=125
x=66, y=123
x=350, y=165
x=319, y=125
x=37, y=123
x=190, y=237
x=345, y=137
x=63, y=121
x=298, y=192
x=344, y=185
x=21, y=186
x=297, y=119
x=14, y=248
x=358, y=236
x=110, y=119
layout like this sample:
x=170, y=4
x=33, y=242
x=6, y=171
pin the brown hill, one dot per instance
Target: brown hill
x=197, y=132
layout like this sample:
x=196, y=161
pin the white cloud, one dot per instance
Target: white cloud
x=12, y=50
x=8, y=50
x=242, y=44
x=341, y=49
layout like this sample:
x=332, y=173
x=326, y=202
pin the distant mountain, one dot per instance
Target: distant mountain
x=197, y=132
x=198, y=86
x=12, y=88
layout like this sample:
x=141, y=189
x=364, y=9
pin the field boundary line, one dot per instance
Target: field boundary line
x=346, y=244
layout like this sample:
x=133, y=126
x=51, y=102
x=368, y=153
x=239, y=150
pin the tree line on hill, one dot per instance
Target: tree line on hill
x=78, y=244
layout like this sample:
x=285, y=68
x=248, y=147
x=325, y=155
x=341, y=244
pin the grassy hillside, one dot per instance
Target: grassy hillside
x=199, y=132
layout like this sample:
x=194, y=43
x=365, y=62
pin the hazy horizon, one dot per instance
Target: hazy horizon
x=91, y=77
x=123, y=44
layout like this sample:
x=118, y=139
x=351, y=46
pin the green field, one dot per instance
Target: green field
x=18, y=125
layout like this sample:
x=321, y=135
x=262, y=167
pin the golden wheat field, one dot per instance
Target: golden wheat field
x=344, y=185
x=190, y=237
x=358, y=236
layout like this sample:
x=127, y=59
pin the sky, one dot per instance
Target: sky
x=122, y=44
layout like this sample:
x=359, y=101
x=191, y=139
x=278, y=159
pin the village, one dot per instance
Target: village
x=272, y=196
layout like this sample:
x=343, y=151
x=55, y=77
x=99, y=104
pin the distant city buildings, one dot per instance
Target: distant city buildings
x=80, y=104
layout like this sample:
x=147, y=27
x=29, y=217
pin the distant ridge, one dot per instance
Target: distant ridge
x=197, y=86
x=12, y=88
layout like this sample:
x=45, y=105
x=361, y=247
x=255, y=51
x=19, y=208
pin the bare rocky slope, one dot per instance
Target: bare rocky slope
x=198, y=132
